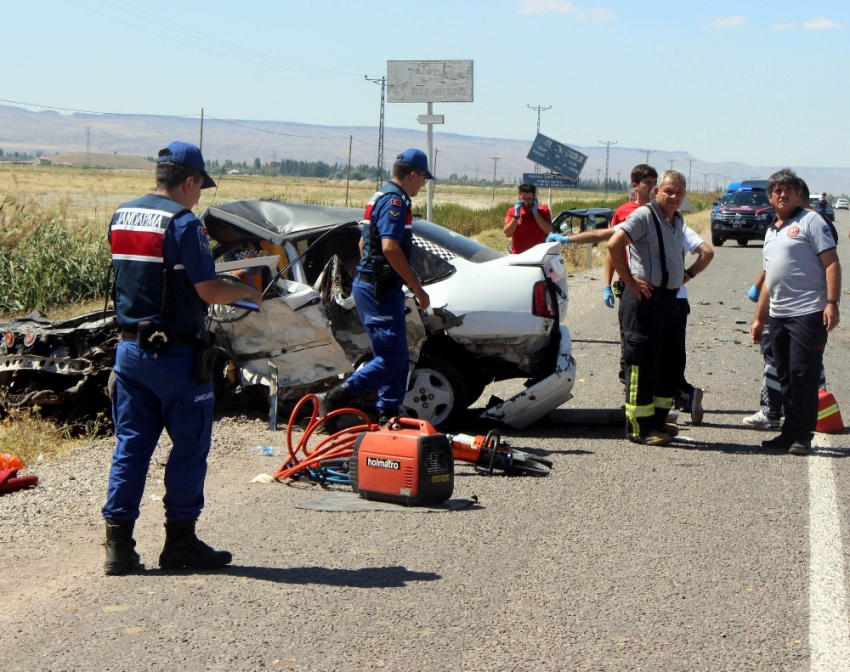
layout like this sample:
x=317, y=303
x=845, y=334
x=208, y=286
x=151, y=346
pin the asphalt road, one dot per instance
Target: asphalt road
x=710, y=554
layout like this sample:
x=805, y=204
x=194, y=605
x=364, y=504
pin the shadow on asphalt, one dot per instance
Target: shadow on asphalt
x=367, y=577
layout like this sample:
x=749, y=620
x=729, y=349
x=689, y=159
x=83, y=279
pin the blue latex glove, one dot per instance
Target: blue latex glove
x=534, y=207
x=558, y=238
x=608, y=296
x=753, y=293
x=517, y=208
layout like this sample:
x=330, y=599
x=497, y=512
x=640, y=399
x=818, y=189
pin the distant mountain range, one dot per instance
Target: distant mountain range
x=51, y=132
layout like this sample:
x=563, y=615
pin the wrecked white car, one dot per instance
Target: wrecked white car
x=493, y=317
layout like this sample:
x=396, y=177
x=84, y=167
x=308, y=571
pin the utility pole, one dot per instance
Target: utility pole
x=607, y=144
x=201, y=139
x=690, y=163
x=88, y=146
x=618, y=179
x=672, y=161
x=495, y=160
x=648, y=152
x=383, y=82
x=539, y=109
x=705, y=181
x=717, y=176
x=598, y=170
x=348, y=172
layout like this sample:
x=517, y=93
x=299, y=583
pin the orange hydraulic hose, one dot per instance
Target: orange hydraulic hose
x=340, y=444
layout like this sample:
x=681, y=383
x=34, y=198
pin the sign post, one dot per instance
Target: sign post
x=429, y=82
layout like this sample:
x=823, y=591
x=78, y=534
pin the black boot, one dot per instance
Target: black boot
x=183, y=549
x=121, y=558
x=336, y=397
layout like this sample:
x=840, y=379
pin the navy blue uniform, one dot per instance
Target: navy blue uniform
x=388, y=215
x=156, y=242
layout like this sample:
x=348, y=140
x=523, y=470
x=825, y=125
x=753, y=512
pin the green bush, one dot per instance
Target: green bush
x=46, y=262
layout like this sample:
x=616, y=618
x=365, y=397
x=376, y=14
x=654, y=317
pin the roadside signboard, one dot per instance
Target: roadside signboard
x=429, y=81
x=557, y=157
x=548, y=181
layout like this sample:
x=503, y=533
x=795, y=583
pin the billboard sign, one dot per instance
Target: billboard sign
x=557, y=157
x=429, y=81
x=548, y=181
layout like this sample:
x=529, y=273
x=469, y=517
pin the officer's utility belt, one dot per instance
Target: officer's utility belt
x=150, y=336
x=382, y=278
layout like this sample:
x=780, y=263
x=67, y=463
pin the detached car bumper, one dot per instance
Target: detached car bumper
x=541, y=398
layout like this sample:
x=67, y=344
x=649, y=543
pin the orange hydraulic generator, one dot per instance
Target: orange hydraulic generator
x=406, y=462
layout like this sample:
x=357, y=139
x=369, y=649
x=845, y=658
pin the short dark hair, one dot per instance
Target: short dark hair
x=641, y=171
x=402, y=170
x=170, y=175
x=528, y=188
x=804, y=191
x=784, y=176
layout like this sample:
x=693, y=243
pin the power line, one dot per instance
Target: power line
x=383, y=82
x=648, y=152
x=607, y=144
x=273, y=62
x=539, y=109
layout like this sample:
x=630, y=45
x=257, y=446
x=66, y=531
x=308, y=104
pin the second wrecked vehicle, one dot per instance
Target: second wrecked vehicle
x=493, y=316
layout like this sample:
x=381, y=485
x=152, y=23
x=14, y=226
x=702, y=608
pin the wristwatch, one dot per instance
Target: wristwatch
x=690, y=273
x=834, y=303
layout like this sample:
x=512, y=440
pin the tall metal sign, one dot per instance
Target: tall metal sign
x=429, y=82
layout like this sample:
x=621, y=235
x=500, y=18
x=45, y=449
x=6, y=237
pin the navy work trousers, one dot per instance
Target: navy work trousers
x=152, y=393
x=654, y=354
x=385, y=325
x=798, y=343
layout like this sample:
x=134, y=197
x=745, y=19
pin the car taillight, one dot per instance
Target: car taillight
x=543, y=306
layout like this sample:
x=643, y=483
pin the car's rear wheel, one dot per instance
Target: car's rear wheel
x=717, y=241
x=437, y=391
x=743, y=243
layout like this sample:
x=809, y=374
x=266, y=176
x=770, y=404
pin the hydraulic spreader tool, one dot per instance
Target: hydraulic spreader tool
x=405, y=461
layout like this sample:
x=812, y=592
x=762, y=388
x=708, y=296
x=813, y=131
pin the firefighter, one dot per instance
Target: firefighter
x=653, y=331
x=164, y=279
x=385, y=245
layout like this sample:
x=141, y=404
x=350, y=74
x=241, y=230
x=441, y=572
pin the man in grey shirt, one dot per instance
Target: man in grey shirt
x=653, y=331
x=799, y=300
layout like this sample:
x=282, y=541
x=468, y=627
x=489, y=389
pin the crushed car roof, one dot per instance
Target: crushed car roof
x=279, y=219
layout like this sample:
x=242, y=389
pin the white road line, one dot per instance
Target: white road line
x=829, y=633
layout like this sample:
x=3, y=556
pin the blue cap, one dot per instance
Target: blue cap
x=415, y=158
x=187, y=154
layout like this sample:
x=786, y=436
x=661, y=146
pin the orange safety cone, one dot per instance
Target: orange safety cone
x=829, y=417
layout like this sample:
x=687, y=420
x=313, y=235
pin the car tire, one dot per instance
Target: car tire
x=717, y=241
x=743, y=243
x=437, y=391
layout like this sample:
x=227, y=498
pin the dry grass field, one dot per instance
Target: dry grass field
x=93, y=194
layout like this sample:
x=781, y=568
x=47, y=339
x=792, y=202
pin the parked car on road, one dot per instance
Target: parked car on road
x=744, y=216
x=830, y=212
x=582, y=219
x=493, y=317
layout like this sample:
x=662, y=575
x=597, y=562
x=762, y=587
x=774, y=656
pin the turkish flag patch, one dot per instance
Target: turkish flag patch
x=396, y=202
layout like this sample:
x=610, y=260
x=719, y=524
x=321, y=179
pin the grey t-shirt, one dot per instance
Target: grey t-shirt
x=644, y=253
x=795, y=276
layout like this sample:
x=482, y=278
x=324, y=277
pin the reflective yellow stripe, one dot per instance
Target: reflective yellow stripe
x=632, y=409
x=640, y=411
x=829, y=410
x=663, y=402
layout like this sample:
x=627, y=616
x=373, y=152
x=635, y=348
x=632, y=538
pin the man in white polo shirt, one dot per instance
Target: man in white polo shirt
x=799, y=301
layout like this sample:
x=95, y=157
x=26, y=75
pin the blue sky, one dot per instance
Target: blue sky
x=765, y=83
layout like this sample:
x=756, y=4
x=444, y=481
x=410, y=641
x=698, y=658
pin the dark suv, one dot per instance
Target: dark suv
x=746, y=215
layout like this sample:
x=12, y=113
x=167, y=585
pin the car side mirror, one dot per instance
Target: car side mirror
x=715, y=202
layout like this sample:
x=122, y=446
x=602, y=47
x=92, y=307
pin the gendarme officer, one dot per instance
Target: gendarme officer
x=164, y=279
x=653, y=331
x=385, y=244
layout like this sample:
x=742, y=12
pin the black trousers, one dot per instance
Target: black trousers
x=798, y=344
x=654, y=355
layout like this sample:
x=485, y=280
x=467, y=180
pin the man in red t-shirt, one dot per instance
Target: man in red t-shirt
x=644, y=178
x=527, y=223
